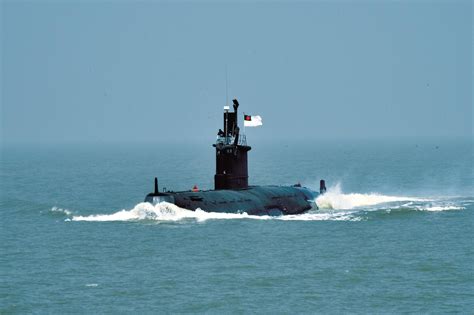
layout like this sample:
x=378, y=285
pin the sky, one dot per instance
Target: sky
x=149, y=71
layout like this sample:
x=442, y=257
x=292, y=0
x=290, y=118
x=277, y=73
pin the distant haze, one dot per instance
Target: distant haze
x=99, y=71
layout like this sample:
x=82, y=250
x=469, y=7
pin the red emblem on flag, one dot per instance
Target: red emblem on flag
x=247, y=117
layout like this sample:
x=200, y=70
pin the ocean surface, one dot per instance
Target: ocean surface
x=393, y=234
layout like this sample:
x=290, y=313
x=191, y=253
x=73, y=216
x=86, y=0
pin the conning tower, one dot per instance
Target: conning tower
x=231, y=153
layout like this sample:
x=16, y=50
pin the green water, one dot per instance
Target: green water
x=394, y=233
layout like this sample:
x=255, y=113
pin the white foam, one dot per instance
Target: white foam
x=322, y=216
x=334, y=206
x=335, y=199
x=163, y=212
x=439, y=208
x=60, y=210
x=169, y=212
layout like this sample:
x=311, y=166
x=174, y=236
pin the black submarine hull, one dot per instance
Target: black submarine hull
x=255, y=200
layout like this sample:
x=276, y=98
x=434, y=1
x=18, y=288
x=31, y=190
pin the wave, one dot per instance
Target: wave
x=334, y=198
x=168, y=212
x=440, y=205
x=162, y=212
x=441, y=208
x=334, y=205
x=60, y=211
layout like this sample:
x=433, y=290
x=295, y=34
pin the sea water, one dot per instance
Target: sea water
x=394, y=232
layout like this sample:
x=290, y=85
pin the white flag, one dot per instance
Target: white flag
x=252, y=121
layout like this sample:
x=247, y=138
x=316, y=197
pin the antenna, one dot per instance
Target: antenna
x=226, y=108
x=226, y=87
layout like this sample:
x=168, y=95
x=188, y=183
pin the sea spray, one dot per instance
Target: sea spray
x=167, y=212
x=163, y=211
x=60, y=211
x=334, y=198
x=333, y=206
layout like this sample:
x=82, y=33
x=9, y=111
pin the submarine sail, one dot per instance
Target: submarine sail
x=232, y=193
x=231, y=154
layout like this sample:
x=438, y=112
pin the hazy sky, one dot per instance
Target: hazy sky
x=107, y=71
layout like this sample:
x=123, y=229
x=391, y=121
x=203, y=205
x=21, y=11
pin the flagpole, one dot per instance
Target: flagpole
x=226, y=87
x=226, y=104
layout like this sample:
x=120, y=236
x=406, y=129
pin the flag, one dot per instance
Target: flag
x=252, y=121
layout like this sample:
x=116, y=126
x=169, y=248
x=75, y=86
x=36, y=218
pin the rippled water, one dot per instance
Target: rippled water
x=393, y=233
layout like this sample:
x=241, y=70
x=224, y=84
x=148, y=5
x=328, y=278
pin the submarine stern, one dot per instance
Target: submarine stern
x=156, y=197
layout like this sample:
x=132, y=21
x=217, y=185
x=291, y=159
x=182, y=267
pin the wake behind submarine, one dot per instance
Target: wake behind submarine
x=231, y=193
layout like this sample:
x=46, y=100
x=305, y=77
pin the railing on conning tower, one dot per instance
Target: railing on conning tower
x=230, y=140
x=242, y=140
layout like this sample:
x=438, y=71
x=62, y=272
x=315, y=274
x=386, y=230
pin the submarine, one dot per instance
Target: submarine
x=232, y=193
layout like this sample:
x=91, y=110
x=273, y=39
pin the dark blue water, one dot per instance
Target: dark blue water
x=393, y=234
